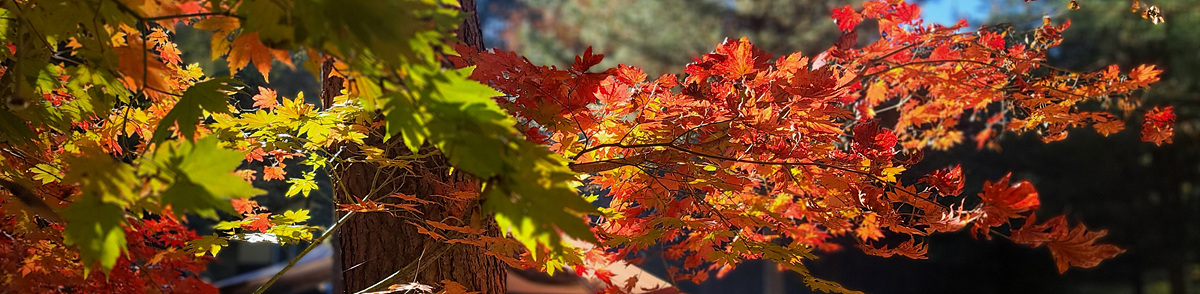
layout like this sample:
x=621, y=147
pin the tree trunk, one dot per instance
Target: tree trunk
x=373, y=246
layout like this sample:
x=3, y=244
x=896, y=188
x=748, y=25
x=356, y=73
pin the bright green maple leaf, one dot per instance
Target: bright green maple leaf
x=302, y=185
x=203, y=176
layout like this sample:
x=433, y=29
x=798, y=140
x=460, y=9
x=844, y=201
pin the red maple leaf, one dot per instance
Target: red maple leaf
x=742, y=58
x=587, y=60
x=1001, y=202
x=1159, y=126
x=846, y=18
x=874, y=141
x=947, y=181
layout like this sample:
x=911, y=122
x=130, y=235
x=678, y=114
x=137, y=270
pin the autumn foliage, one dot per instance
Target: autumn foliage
x=750, y=156
x=110, y=139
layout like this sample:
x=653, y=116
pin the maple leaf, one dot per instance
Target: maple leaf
x=1158, y=126
x=265, y=99
x=203, y=175
x=273, y=172
x=742, y=58
x=1078, y=249
x=452, y=287
x=95, y=227
x=221, y=26
x=846, y=18
x=873, y=140
x=248, y=175
x=208, y=95
x=302, y=186
x=1109, y=126
x=243, y=205
x=948, y=181
x=464, y=230
x=1002, y=202
x=247, y=48
x=259, y=222
x=139, y=69
x=869, y=228
x=587, y=60
x=877, y=93
x=1034, y=234
x=256, y=154
x=210, y=244
x=1144, y=75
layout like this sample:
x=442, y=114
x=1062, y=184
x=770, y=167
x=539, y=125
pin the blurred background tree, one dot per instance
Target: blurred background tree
x=660, y=36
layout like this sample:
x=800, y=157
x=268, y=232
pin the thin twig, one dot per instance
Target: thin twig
x=310, y=247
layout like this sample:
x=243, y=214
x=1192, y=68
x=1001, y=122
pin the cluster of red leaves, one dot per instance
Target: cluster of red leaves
x=1158, y=126
x=36, y=261
x=752, y=157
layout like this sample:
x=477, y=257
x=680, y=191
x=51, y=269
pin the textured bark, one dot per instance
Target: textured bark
x=373, y=246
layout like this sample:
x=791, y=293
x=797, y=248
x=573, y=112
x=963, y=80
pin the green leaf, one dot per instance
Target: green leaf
x=229, y=225
x=95, y=226
x=202, y=174
x=536, y=200
x=302, y=185
x=290, y=217
x=210, y=95
x=14, y=130
x=102, y=176
x=46, y=173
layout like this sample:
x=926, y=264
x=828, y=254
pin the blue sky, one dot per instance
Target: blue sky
x=948, y=12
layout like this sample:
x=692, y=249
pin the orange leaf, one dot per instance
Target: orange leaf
x=869, y=229
x=255, y=155
x=246, y=174
x=273, y=172
x=451, y=287
x=140, y=68
x=741, y=58
x=363, y=206
x=444, y=226
x=1001, y=202
x=258, y=222
x=265, y=98
x=412, y=198
x=587, y=60
x=1078, y=248
x=1143, y=75
x=248, y=48
x=243, y=205
x=876, y=93
x=423, y=231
